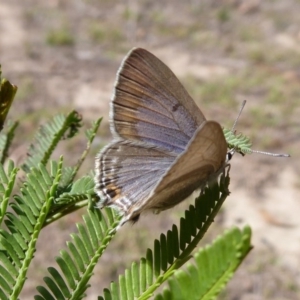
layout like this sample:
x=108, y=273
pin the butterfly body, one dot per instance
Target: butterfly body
x=163, y=147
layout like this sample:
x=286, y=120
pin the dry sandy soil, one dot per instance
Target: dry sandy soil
x=64, y=55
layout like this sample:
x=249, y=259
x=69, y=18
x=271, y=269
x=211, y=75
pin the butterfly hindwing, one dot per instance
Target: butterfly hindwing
x=127, y=172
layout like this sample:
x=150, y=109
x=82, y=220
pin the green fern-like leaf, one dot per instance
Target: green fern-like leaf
x=239, y=142
x=70, y=173
x=76, y=197
x=6, y=139
x=170, y=251
x=18, y=241
x=7, y=181
x=84, y=185
x=77, y=264
x=59, y=128
x=213, y=267
x=73, y=195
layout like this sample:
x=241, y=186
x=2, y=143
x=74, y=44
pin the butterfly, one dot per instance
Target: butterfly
x=163, y=148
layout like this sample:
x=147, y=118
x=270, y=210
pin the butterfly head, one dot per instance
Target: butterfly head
x=229, y=155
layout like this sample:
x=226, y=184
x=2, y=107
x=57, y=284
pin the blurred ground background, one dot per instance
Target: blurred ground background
x=64, y=55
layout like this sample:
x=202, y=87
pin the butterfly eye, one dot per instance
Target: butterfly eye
x=229, y=154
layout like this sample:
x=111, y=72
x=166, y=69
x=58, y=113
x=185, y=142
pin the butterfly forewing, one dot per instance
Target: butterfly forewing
x=150, y=104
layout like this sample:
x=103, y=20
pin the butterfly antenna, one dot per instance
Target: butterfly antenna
x=236, y=120
x=254, y=151
x=270, y=153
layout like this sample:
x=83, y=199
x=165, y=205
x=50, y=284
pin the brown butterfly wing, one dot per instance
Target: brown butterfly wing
x=126, y=174
x=203, y=160
x=151, y=105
